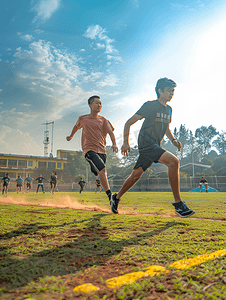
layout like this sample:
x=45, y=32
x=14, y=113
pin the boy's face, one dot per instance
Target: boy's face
x=167, y=94
x=96, y=105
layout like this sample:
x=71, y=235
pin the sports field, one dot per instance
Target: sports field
x=70, y=246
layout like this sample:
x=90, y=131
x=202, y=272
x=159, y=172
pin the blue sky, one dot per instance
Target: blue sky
x=55, y=54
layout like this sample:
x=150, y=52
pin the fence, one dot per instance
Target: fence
x=144, y=184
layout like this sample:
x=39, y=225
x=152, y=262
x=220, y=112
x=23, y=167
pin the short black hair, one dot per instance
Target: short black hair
x=162, y=83
x=91, y=99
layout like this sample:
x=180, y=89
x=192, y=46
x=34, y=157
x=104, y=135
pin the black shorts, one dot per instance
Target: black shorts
x=96, y=160
x=148, y=156
x=28, y=185
x=18, y=185
x=5, y=184
x=53, y=184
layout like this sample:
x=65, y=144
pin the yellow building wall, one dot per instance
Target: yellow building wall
x=27, y=164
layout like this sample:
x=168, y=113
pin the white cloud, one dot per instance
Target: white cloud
x=39, y=31
x=135, y=3
x=45, y=9
x=110, y=80
x=52, y=75
x=14, y=118
x=96, y=32
x=14, y=141
x=25, y=104
x=9, y=49
x=116, y=58
x=27, y=37
x=82, y=50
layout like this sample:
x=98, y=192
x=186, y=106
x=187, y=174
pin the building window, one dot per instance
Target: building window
x=3, y=162
x=42, y=164
x=22, y=163
x=58, y=165
x=51, y=165
x=65, y=165
x=12, y=163
x=30, y=163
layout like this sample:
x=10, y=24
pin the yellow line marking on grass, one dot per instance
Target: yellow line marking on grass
x=132, y=277
x=87, y=288
x=187, y=263
x=150, y=271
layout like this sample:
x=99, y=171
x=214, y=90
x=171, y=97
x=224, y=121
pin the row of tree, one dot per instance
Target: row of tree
x=197, y=148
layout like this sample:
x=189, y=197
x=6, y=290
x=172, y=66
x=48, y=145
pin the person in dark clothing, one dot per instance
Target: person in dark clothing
x=157, y=117
x=53, y=182
x=19, y=183
x=81, y=183
x=28, y=179
x=40, y=183
x=204, y=182
x=6, y=181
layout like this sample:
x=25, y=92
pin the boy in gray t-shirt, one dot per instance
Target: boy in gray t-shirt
x=157, y=117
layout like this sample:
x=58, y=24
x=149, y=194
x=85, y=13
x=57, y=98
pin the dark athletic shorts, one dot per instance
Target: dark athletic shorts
x=96, y=160
x=28, y=185
x=18, y=185
x=5, y=184
x=148, y=156
x=53, y=184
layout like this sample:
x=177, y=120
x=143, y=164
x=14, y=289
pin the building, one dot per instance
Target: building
x=22, y=165
x=65, y=153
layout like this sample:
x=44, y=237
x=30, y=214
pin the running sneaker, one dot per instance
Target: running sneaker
x=182, y=210
x=114, y=204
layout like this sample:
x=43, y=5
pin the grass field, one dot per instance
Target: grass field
x=52, y=245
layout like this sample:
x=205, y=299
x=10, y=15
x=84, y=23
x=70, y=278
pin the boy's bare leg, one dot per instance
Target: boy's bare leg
x=130, y=181
x=172, y=162
x=104, y=180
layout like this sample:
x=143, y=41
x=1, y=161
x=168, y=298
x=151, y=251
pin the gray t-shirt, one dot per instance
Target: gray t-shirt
x=157, y=119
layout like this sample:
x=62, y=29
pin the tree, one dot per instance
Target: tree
x=204, y=135
x=112, y=158
x=183, y=137
x=220, y=143
x=76, y=164
x=132, y=157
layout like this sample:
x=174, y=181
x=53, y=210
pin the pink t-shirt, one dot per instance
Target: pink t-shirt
x=94, y=132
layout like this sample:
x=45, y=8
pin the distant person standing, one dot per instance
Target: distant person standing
x=53, y=182
x=81, y=183
x=204, y=182
x=19, y=183
x=98, y=184
x=6, y=181
x=40, y=183
x=94, y=132
x=28, y=179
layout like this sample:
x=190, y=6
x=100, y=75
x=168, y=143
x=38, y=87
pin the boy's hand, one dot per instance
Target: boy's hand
x=125, y=149
x=68, y=138
x=177, y=144
x=114, y=148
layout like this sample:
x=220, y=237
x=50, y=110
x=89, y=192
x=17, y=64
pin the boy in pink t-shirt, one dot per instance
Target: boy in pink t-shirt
x=94, y=131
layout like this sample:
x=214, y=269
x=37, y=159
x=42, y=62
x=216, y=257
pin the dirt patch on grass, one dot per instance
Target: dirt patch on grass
x=68, y=203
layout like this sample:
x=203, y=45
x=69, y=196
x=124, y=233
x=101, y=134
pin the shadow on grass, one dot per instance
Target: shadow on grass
x=90, y=246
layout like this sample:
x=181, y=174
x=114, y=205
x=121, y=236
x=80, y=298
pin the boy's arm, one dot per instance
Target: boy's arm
x=74, y=130
x=125, y=149
x=112, y=137
x=175, y=142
